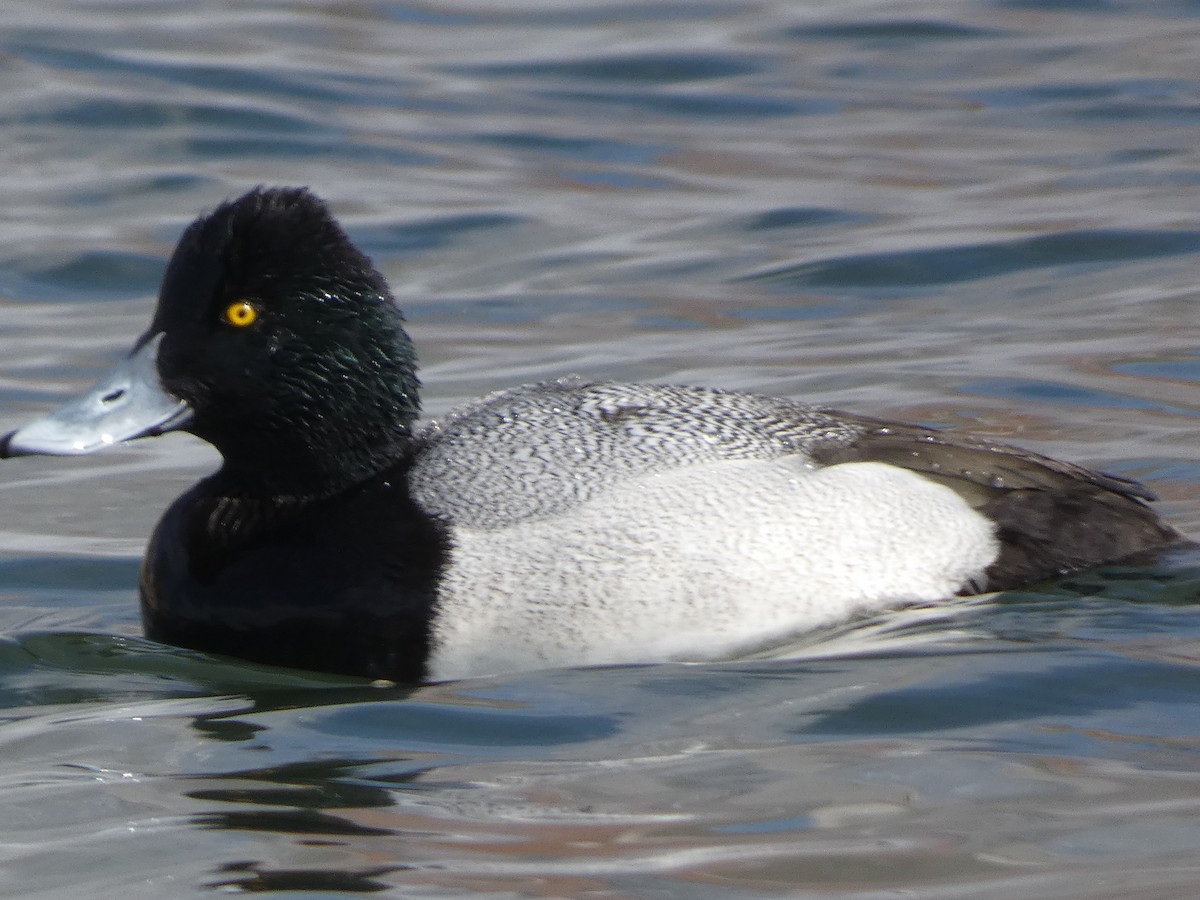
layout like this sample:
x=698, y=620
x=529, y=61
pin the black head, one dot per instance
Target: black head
x=287, y=345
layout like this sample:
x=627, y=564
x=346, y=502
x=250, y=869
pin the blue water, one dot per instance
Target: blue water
x=979, y=215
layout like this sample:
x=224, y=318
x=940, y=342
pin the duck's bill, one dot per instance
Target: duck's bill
x=130, y=403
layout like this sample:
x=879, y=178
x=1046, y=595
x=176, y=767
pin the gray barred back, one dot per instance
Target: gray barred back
x=541, y=449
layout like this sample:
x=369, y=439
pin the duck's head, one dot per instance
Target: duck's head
x=275, y=339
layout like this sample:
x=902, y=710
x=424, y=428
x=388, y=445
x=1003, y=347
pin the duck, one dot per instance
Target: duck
x=571, y=522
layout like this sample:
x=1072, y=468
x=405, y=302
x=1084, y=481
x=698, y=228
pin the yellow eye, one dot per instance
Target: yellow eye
x=240, y=314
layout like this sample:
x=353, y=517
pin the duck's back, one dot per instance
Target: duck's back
x=544, y=449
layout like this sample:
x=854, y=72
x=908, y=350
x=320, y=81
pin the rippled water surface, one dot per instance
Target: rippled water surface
x=981, y=215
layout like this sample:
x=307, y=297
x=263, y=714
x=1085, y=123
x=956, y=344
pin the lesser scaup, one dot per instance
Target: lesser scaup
x=566, y=523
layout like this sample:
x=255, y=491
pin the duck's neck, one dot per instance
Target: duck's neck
x=308, y=473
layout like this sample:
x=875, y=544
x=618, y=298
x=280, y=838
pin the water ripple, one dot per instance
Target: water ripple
x=950, y=265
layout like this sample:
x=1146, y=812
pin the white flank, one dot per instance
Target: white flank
x=701, y=562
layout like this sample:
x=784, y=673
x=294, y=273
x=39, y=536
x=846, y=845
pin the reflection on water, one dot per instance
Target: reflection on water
x=980, y=217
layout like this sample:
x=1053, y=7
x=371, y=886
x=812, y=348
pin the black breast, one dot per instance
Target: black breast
x=344, y=584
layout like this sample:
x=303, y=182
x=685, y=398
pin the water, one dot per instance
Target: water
x=980, y=215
